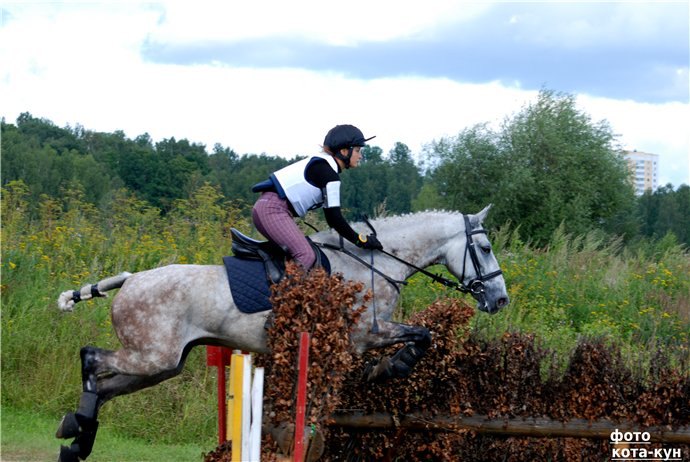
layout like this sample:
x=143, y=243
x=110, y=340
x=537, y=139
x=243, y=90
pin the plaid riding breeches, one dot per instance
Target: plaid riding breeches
x=273, y=219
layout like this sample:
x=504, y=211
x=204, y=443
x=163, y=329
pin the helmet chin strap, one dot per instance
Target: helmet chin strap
x=345, y=160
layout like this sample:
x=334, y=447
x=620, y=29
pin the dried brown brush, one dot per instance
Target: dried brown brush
x=461, y=374
x=323, y=306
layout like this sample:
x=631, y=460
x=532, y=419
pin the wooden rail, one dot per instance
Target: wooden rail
x=534, y=427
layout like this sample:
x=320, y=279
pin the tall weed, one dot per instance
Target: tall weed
x=72, y=243
x=588, y=285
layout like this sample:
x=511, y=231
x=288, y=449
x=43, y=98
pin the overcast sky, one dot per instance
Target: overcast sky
x=273, y=76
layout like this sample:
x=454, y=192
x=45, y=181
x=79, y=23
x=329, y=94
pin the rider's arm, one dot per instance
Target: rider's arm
x=322, y=176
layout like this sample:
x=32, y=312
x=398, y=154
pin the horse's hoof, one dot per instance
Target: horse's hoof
x=380, y=371
x=316, y=445
x=69, y=427
x=67, y=455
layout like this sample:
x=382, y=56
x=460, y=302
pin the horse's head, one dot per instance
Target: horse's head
x=470, y=258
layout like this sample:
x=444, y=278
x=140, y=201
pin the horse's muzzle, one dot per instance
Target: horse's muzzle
x=483, y=305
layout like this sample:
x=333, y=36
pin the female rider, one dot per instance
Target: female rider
x=309, y=184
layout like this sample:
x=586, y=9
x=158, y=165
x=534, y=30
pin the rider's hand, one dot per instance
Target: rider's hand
x=369, y=242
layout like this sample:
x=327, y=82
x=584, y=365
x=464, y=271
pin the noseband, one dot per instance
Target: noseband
x=476, y=285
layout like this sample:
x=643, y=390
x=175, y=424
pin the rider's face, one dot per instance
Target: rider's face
x=356, y=156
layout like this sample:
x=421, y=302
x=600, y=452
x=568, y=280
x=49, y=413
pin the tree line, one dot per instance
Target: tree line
x=547, y=166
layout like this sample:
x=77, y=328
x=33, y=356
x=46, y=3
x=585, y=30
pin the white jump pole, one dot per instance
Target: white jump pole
x=257, y=412
x=246, y=404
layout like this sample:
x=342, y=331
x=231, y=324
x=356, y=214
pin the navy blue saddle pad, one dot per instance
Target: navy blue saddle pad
x=249, y=285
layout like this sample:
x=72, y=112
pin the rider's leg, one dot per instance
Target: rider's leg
x=272, y=217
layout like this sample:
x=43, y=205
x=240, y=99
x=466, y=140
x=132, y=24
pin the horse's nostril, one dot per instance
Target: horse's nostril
x=503, y=301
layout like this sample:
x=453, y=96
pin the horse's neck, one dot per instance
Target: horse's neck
x=421, y=238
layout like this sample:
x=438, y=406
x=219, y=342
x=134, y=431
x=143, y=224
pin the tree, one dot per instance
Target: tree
x=364, y=188
x=547, y=165
x=665, y=211
x=47, y=158
x=404, y=180
x=470, y=167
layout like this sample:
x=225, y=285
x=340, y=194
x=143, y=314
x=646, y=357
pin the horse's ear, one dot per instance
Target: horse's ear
x=478, y=219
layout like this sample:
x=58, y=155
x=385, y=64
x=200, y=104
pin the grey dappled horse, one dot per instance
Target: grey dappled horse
x=160, y=314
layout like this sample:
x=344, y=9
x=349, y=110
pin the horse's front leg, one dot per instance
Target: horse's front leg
x=417, y=340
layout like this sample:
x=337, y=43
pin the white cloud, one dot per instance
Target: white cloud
x=345, y=23
x=657, y=128
x=580, y=24
x=81, y=63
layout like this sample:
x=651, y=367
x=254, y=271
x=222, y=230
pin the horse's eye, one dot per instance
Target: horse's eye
x=486, y=250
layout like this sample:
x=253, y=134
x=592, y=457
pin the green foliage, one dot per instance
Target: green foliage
x=548, y=165
x=381, y=184
x=237, y=174
x=665, y=211
x=49, y=158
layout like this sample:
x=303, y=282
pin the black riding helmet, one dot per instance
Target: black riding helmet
x=344, y=137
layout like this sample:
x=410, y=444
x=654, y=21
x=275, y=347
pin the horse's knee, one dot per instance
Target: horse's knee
x=410, y=355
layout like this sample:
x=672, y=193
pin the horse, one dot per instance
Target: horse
x=160, y=314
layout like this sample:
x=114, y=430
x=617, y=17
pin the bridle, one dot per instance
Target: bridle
x=476, y=285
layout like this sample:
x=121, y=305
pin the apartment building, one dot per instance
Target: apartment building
x=644, y=170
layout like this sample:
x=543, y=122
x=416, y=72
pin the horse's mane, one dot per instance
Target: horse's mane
x=396, y=219
x=443, y=221
x=409, y=222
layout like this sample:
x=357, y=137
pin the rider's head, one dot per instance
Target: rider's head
x=344, y=143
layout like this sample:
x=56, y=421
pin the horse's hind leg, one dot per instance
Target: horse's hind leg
x=82, y=424
x=101, y=382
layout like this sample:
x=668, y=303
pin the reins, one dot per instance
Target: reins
x=341, y=248
x=474, y=287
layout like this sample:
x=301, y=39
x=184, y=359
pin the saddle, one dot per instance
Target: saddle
x=271, y=254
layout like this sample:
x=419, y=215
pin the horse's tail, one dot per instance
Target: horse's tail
x=68, y=298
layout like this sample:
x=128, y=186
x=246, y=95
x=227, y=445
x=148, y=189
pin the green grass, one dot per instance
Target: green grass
x=28, y=436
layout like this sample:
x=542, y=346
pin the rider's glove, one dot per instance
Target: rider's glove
x=369, y=242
